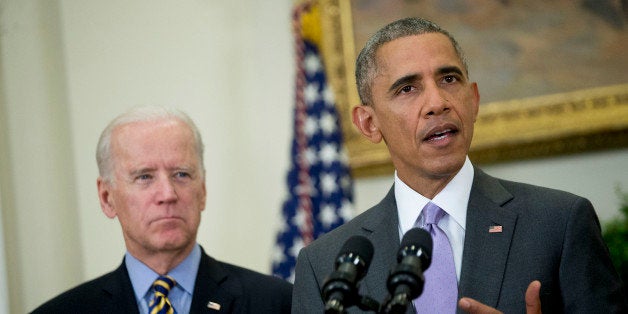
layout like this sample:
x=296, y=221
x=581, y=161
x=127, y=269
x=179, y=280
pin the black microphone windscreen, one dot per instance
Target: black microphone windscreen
x=419, y=238
x=360, y=246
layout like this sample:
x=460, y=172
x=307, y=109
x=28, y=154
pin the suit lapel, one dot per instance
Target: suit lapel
x=118, y=289
x=209, y=287
x=486, y=250
x=382, y=230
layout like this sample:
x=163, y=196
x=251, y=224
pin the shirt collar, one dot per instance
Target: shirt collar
x=142, y=277
x=453, y=199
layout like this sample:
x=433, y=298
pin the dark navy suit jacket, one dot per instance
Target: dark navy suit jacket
x=236, y=289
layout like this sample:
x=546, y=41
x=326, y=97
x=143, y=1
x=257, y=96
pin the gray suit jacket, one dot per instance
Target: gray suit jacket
x=549, y=235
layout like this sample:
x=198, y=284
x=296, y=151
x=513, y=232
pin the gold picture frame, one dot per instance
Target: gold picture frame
x=541, y=126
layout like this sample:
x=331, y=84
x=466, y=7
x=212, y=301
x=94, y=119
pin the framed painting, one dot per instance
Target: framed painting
x=553, y=75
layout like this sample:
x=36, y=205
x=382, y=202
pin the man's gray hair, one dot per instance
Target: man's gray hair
x=104, y=159
x=366, y=63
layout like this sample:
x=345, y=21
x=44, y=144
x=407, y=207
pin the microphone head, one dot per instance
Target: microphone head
x=416, y=242
x=340, y=289
x=357, y=250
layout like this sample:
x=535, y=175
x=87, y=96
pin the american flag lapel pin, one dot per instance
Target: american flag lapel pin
x=495, y=229
x=213, y=306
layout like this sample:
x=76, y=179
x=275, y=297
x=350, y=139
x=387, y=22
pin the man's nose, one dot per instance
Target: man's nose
x=436, y=102
x=166, y=191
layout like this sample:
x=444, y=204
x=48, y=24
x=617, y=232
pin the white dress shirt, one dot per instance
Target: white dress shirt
x=453, y=199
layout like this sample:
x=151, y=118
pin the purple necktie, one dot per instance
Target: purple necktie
x=440, y=293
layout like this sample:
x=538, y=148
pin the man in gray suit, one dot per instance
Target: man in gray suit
x=515, y=247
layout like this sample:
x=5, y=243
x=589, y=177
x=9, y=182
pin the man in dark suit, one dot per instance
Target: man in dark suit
x=152, y=179
x=515, y=247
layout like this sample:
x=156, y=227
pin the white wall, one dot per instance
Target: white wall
x=38, y=198
x=68, y=67
x=228, y=65
x=4, y=290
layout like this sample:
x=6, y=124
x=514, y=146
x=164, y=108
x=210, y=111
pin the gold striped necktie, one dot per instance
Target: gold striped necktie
x=160, y=304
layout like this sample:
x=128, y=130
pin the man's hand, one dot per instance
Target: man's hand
x=533, y=302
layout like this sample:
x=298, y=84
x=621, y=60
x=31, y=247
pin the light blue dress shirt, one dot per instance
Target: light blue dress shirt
x=142, y=278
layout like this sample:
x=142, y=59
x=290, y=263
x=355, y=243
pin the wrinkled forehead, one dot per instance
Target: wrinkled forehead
x=145, y=139
x=427, y=47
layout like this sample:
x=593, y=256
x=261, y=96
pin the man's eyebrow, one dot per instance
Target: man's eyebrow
x=185, y=168
x=403, y=81
x=450, y=69
x=140, y=171
x=414, y=77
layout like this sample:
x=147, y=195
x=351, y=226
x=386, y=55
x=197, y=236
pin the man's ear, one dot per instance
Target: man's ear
x=364, y=119
x=476, y=99
x=104, y=195
x=204, y=196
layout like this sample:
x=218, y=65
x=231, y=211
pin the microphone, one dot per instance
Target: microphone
x=340, y=289
x=406, y=280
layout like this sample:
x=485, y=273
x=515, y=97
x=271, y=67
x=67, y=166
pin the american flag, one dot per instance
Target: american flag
x=319, y=183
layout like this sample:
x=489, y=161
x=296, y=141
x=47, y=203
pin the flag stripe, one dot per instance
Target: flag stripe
x=305, y=205
x=319, y=183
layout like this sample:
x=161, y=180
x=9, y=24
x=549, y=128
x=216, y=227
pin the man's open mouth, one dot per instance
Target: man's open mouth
x=439, y=135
